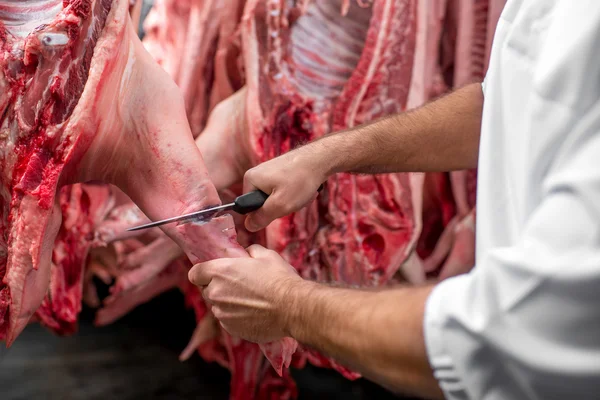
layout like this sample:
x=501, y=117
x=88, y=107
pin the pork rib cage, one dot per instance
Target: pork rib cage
x=255, y=78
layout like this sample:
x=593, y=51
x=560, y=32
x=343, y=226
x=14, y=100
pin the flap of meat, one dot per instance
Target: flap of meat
x=88, y=103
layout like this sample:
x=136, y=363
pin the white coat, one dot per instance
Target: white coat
x=525, y=323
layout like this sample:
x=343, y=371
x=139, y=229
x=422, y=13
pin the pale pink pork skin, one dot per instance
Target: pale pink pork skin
x=183, y=36
x=180, y=40
x=78, y=111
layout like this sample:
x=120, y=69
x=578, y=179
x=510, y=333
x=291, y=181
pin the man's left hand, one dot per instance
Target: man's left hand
x=248, y=295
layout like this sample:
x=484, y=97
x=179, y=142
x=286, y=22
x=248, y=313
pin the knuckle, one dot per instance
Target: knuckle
x=253, y=248
x=287, y=208
x=197, y=277
x=250, y=174
x=271, y=253
x=192, y=275
x=253, y=175
x=225, y=327
x=213, y=294
x=278, y=203
x=218, y=313
x=220, y=266
x=224, y=272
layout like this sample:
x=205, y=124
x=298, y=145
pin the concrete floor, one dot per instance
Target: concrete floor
x=136, y=358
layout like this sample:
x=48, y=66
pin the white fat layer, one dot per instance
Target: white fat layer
x=54, y=39
x=21, y=17
x=326, y=46
x=131, y=59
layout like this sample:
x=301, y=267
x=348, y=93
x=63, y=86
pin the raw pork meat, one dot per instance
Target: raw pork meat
x=300, y=84
x=473, y=23
x=82, y=207
x=61, y=70
x=183, y=36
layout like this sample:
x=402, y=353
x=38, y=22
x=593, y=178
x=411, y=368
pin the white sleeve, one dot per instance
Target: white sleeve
x=525, y=323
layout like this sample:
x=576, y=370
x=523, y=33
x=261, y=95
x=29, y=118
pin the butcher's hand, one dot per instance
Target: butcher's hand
x=247, y=295
x=291, y=181
x=379, y=333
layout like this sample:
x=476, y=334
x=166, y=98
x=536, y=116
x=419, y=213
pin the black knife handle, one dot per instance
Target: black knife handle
x=252, y=201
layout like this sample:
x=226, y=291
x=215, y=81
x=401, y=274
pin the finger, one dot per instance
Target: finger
x=217, y=312
x=248, y=185
x=202, y=274
x=273, y=208
x=257, y=220
x=206, y=294
x=224, y=327
x=254, y=179
x=258, y=251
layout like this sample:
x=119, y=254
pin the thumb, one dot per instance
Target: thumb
x=272, y=209
x=257, y=220
x=258, y=251
x=254, y=179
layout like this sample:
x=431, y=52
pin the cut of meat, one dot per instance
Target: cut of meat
x=302, y=85
x=60, y=123
x=228, y=69
x=471, y=42
x=290, y=99
x=114, y=227
x=43, y=76
x=82, y=207
x=372, y=216
x=494, y=10
x=225, y=141
x=165, y=29
x=426, y=79
x=473, y=22
x=439, y=210
x=276, y=388
x=461, y=258
x=135, y=10
x=146, y=263
x=117, y=305
x=183, y=37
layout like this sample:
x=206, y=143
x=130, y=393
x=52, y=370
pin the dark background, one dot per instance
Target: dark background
x=135, y=358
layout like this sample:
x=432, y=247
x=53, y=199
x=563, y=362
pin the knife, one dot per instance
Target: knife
x=243, y=204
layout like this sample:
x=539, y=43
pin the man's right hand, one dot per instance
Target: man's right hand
x=440, y=136
x=291, y=181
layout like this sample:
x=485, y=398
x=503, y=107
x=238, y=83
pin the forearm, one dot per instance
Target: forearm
x=440, y=136
x=379, y=334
